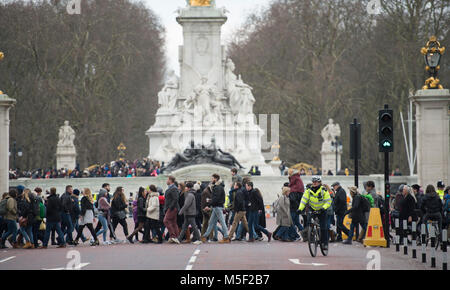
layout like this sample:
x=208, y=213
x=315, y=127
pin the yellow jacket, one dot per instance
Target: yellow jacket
x=320, y=199
x=440, y=192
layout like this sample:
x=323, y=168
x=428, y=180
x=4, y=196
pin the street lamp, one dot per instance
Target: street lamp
x=432, y=53
x=121, y=148
x=337, y=148
x=15, y=153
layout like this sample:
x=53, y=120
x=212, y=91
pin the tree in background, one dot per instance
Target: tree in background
x=310, y=60
x=101, y=70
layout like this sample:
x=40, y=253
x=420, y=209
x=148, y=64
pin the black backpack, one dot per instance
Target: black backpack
x=35, y=207
x=365, y=204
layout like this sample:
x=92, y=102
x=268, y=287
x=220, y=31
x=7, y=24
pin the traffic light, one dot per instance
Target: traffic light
x=386, y=130
x=387, y=190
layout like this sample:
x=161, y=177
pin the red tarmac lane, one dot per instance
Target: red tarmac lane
x=262, y=255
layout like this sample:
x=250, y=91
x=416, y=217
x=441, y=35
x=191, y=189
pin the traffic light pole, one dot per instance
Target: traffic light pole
x=387, y=194
x=355, y=122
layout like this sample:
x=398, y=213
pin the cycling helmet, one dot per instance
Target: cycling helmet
x=316, y=179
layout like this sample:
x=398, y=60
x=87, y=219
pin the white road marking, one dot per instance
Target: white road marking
x=82, y=265
x=192, y=260
x=7, y=259
x=297, y=262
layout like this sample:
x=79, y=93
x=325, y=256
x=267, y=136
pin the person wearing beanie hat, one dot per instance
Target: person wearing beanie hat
x=101, y=193
x=20, y=189
x=340, y=207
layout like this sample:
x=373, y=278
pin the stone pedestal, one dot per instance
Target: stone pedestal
x=66, y=157
x=432, y=133
x=329, y=162
x=5, y=104
x=275, y=164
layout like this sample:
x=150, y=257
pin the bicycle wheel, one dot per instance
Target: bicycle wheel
x=324, y=252
x=312, y=240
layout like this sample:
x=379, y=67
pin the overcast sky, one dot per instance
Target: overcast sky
x=165, y=9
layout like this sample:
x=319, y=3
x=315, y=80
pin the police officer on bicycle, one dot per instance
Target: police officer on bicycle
x=318, y=198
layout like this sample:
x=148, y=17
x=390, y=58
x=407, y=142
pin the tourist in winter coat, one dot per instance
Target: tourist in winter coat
x=356, y=213
x=118, y=210
x=26, y=217
x=408, y=207
x=239, y=209
x=340, y=207
x=189, y=210
x=432, y=206
x=53, y=218
x=217, y=204
x=140, y=214
x=103, y=214
x=152, y=216
x=206, y=212
x=256, y=207
x=87, y=218
x=297, y=189
x=284, y=218
x=10, y=219
x=171, y=208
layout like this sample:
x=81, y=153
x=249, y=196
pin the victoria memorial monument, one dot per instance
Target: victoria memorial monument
x=208, y=101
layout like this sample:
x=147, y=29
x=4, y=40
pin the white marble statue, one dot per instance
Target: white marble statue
x=66, y=135
x=232, y=89
x=329, y=134
x=247, y=98
x=240, y=94
x=167, y=97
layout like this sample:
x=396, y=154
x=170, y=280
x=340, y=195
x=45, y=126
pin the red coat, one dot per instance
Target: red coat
x=296, y=183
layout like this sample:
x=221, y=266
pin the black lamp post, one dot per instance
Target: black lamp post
x=337, y=147
x=15, y=153
x=432, y=53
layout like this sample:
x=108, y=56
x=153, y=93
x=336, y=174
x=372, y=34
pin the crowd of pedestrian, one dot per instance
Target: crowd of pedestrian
x=195, y=212
x=117, y=168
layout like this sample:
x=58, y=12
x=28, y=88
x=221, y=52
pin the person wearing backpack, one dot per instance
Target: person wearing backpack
x=8, y=209
x=39, y=211
x=368, y=202
x=2, y=222
x=356, y=213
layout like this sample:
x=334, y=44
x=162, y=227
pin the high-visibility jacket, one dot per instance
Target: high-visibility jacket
x=320, y=199
x=440, y=192
x=227, y=201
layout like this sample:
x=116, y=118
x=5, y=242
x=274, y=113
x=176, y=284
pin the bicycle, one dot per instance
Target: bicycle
x=314, y=238
x=435, y=225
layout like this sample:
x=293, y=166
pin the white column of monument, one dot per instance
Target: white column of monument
x=5, y=105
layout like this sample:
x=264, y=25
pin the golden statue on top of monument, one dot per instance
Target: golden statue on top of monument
x=199, y=2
